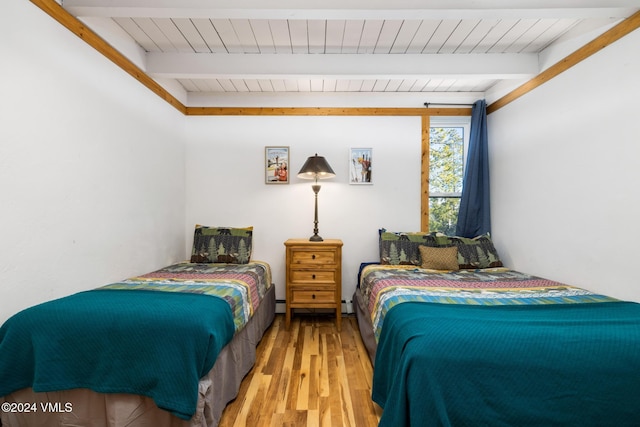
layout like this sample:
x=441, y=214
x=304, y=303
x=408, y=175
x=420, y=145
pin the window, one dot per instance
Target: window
x=448, y=142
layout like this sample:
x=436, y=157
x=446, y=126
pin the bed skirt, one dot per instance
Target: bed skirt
x=88, y=408
x=365, y=325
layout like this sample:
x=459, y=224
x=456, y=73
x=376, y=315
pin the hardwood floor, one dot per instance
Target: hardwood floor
x=311, y=375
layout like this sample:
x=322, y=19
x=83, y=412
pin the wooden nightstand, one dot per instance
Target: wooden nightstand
x=314, y=276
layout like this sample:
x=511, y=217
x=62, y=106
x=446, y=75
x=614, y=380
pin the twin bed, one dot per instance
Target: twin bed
x=483, y=345
x=456, y=339
x=168, y=348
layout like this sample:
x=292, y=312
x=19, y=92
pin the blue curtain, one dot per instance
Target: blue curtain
x=474, y=216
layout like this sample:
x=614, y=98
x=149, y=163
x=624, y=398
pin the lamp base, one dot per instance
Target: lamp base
x=316, y=238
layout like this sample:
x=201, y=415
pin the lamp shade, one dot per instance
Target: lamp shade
x=316, y=167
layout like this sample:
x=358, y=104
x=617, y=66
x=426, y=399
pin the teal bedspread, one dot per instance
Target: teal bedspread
x=157, y=344
x=537, y=365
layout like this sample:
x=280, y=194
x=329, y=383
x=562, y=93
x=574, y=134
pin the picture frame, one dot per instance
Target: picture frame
x=276, y=165
x=360, y=166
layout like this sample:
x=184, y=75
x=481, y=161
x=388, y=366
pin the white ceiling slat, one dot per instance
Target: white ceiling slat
x=209, y=35
x=406, y=85
x=329, y=85
x=291, y=85
x=134, y=30
x=354, y=85
x=191, y=33
x=278, y=85
x=405, y=36
x=316, y=85
x=531, y=34
x=380, y=85
x=393, y=85
x=263, y=37
x=214, y=85
x=152, y=31
x=299, y=38
x=316, y=29
x=370, y=35
x=264, y=85
x=350, y=39
x=513, y=34
x=445, y=85
x=432, y=85
x=441, y=35
x=174, y=36
x=388, y=34
x=496, y=33
x=188, y=85
x=367, y=85
x=247, y=39
x=418, y=85
x=478, y=33
x=304, y=85
x=459, y=36
x=240, y=85
x=559, y=27
x=227, y=34
x=227, y=85
x=342, y=85
x=422, y=36
x=201, y=85
x=280, y=35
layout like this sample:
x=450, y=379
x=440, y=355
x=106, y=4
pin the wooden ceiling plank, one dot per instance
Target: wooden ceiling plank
x=280, y=35
x=350, y=33
x=262, y=33
x=387, y=36
x=244, y=32
x=209, y=35
x=317, y=35
x=405, y=36
x=192, y=35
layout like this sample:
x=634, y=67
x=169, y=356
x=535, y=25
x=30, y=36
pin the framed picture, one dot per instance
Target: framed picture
x=276, y=165
x=360, y=166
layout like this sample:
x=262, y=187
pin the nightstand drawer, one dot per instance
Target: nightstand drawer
x=313, y=257
x=312, y=297
x=312, y=276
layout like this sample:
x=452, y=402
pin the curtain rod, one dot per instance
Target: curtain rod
x=426, y=104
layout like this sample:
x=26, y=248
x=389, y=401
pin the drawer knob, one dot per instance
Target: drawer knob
x=313, y=296
x=313, y=256
x=313, y=276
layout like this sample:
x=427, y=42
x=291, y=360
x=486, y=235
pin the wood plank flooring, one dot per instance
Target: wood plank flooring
x=311, y=375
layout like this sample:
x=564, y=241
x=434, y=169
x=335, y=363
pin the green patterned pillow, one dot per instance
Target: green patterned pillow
x=477, y=252
x=401, y=248
x=221, y=244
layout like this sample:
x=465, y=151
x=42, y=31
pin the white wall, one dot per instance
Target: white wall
x=225, y=183
x=564, y=174
x=91, y=166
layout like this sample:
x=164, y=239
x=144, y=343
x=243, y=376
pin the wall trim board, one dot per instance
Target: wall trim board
x=326, y=111
x=424, y=174
x=57, y=12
